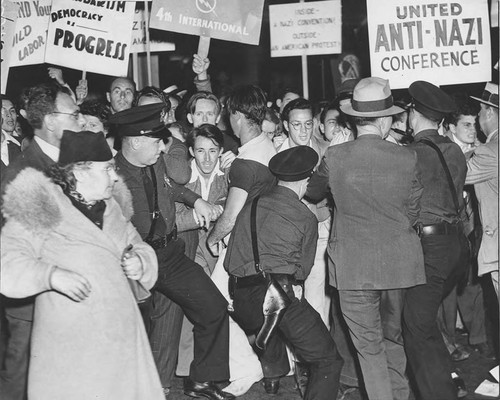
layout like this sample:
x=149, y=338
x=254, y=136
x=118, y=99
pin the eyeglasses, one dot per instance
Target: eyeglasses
x=297, y=125
x=75, y=115
x=108, y=168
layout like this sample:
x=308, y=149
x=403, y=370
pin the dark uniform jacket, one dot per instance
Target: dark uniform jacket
x=287, y=234
x=168, y=193
x=436, y=204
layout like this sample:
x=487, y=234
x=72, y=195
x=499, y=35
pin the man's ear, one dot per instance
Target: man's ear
x=191, y=151
x=49, y=122
x=285, y=125
x=279, y=102
x=453, y=128
x=190, y=118
x=322, y=128
x=135, y=142
x=217, y=119
x=108, y=97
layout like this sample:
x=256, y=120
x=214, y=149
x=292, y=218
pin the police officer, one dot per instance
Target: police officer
x=439, y=236
x=179, y=278
x=286, y=236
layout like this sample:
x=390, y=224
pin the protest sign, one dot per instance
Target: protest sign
x=306, y=28
x=31, y=32
x=139, y=37
x=9, y=16
x=90, y=35
x=232, y=20
x=443, y=43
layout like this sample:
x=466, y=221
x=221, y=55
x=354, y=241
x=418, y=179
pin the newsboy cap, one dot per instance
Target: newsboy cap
x=371, y=98
x=294, y=164
x=431, y=101
x=83, y=146
x=141, y=121
x=490, y=95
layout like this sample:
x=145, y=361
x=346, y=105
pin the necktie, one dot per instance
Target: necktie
x=158, y=227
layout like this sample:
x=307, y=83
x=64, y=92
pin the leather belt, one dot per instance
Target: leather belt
x=261, y=280
x=163, y=241
x=443, y=228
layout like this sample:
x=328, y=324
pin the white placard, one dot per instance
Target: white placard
x=306, y=28
x=138, y=44
x=91, y=35
x=443, y=43
x=8, y=21
x=30, y=36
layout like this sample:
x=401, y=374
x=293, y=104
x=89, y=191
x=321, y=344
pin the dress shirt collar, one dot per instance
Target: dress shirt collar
x=9, y=138
x=491, y=135
x=49, y=149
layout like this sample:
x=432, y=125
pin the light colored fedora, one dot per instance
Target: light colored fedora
x=490, y=95
x=371, y=98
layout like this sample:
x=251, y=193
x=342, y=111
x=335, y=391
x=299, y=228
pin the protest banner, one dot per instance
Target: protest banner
x=443, y=43
x=8, y=18
x=306, y=28
x=91, y=35
x=31, y=32
x=232, y=20
x=138, y=44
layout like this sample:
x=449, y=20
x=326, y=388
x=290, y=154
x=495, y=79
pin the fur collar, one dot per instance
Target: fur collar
x=34, y=201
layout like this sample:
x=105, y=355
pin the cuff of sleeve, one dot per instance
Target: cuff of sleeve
x=48, y=277
x=196, y=80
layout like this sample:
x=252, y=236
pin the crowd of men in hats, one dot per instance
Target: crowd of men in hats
x=237, y=242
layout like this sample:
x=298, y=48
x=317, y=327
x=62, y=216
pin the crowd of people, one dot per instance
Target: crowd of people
x=153, y=233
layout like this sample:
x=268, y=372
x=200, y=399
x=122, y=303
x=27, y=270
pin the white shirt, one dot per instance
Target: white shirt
x=49, y=149
x=5, y=148
x=205, y=185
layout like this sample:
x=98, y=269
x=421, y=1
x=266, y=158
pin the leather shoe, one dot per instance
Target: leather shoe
x=460, y=354
x=271, y=385
x=460, y=385
x=484, y=350
x=205, y=389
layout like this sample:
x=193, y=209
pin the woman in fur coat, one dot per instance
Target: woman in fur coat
x=69, y=241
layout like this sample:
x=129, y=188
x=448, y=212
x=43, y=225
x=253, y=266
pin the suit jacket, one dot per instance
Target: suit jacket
x=33, y=157
x=376, y=191
x=482, y=171
x=14, y=151
x=194, y=237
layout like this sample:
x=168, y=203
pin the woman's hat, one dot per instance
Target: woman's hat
x=83, y=146
x=371, y=98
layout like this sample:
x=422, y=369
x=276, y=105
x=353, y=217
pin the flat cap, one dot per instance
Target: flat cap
x=431, y=101
x=294, y=164
x=83, y=146
x=141, y=121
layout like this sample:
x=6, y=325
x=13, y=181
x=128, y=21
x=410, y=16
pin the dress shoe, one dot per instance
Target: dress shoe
x=271, y=385
x=460, y=385
x=205, y=389
x=484, y=350
x=460, y=354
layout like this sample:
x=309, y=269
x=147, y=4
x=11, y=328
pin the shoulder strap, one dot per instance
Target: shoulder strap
x=447, y=172
x=253, y=232
x=155, y=212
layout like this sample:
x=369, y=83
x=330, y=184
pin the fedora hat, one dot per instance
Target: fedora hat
x=490, y=95
x=371, y=98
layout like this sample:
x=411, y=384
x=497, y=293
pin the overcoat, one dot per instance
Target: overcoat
x=376, y=191
x=96, y=348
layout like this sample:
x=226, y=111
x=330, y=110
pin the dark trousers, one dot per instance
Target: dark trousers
x=303, y=328
x=427, y=354
x=14, y=369
x=185, y=282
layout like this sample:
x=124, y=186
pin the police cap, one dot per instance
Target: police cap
x=431, y=101
x=141, y=121
x=294, y=164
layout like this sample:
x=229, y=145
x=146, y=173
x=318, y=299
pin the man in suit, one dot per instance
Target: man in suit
x=50, y=111
x=482, y=171
x=439, y=233
x=374, y=250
